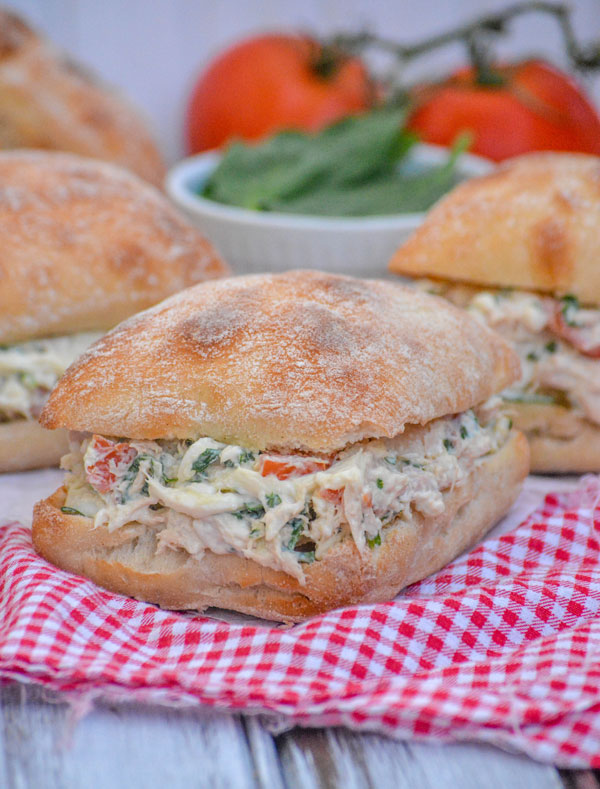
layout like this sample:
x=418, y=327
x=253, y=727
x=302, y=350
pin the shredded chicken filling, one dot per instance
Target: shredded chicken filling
x=282, y=511
x=558, y=342
x=30, y=370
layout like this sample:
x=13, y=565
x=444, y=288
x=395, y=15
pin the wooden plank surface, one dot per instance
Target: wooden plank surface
x=118, y=747
x=42, y=746
x=339, y=758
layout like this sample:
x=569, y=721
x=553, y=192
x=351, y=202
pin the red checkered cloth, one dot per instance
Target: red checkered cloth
x=501, y=646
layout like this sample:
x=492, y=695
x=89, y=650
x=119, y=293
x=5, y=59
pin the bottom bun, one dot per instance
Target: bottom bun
x=25, y=445
x=562, y=441
x=125, y=561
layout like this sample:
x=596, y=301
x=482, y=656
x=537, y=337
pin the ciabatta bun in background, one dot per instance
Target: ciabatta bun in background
x=281, y=445
x=25, y=445
x=84, y=245
x=520, y=249
x=48, y=101
x=532, y=224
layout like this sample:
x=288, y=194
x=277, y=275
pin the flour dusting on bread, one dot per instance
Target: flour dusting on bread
x=531, y=224
x=85, y=244
x=50, y=102
x=303, y=359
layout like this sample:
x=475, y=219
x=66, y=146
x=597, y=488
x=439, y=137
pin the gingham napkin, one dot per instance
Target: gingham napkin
x=501, y=646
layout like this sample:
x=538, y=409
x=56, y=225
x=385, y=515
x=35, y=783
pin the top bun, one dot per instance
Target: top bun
x=531, y=224
x=85, y=244
x=48, y=101
x=296, y=361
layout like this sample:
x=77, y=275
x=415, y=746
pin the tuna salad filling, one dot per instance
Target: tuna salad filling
x=558, y=342
x=30, y=370
x=282, y=511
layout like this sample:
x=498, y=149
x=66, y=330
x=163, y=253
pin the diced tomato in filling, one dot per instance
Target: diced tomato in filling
x=333, y=495
x=285, y=467
x=336, y=496
x=111, y=460
x=574, y=335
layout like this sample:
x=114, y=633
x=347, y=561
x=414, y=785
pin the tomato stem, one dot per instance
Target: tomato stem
x=485, y=73
x=327, y=61
x=581, y=56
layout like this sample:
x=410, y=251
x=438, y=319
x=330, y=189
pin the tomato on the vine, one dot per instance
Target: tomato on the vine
x=529, y=106
x=273, y=82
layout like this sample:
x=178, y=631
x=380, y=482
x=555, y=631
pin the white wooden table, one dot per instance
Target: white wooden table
x=139, y=746
x=44, y=743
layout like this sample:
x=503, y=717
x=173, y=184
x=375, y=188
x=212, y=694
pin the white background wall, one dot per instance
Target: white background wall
x=153, y=49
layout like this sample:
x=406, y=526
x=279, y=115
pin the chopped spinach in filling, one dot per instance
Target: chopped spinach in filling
x=283, y=511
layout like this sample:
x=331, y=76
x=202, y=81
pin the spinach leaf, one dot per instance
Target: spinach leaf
x=71, y=511
x=134, y=469
x=530, y=397
x=372, y=542
x=273, y=499
x=252, y=510
x=393, y=192
x=204, y=460
x=291, y=164
x=308, y=511
x=28, y=380
x=353, y=168
x=569, y=308
x=296, y=525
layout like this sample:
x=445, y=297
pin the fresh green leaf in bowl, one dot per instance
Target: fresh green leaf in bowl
x=356, y=167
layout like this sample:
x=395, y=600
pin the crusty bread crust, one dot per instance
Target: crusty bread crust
x=85, y=244
x=25, y=445
x=562, y=441
x=48, y=101
x=124, y=561
x=531, y=224
x=302, y=360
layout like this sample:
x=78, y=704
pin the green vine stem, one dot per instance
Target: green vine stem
x=475, y=35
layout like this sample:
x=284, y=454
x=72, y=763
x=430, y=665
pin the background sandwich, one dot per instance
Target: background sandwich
x=48, y=101
x=84, y=245
x=521, y=249
x=281, y=445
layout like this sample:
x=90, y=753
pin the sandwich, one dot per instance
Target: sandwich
x=281, y=445
x=520, y=249
x=48, y=101
x=84, y=245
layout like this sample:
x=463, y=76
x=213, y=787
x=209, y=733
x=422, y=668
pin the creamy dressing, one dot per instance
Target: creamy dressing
x=550, y=363
x=281, y=511
x=30, y=370
x=557, y=340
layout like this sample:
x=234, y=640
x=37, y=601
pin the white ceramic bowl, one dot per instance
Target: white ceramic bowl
x=251, y=241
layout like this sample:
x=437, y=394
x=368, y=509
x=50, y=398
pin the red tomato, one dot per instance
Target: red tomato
x=337, y=496
x=274, y=82
x=333, y=495
x=110, y=461
x=535, y=107
x=284, y=467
